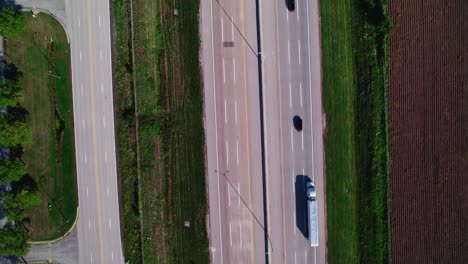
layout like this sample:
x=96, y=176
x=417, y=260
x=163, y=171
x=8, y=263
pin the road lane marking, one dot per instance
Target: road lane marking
x=240, y=232
x=91, y=255
x=79, y=21
x=303, y=171
x=89, y=223
x=232, y=29
x=235, y=110
x=310, y=87
x=229, y=196
x=83, y=124
x=299, y=50
x=112, y=255
x=100, y=53
x=87, y=192
x=81, y=58
x=238, y=196
x=227, y=152
x=81, y=87
x=99, y=21
x=287, y=15
x=222, y=29
x=294, y=221
x=107, y=190
x=85, y=159
x=105, y=156
x=298, y=9
x=102, y=88
x=110, y=223
x=305, y=257
x=292, y=141
x=104, y=121
x=230, y=234
x=290, y=96
x=294, y=182
x=295, y=257
x=289, y=53
x=237, y=151
x=234, y=65
x=225, y=112
x=216, y=130
x=302, y=136
x=224, y=72
x=300, y=91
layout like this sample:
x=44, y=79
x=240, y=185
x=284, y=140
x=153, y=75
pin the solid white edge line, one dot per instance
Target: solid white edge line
x=290, y=96
x=300, y=91
x=238, y=196
x=224, y=72
x=299, y=50
x=292, y=140
x=234, y=66
x=222, y=29
x=230, y=234
x=310, y=91
x=227, y=152
x=289, y=53
x=240, y=234
x=235, y=110
x=237, y=151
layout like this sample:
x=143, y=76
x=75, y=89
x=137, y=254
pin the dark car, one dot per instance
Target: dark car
x=291, y=4
x=297, y=122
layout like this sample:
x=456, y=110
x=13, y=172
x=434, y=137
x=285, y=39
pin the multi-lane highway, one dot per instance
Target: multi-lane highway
x=88, y=23
x=291, y=86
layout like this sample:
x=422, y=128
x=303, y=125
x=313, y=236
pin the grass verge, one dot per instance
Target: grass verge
x=160, y=128
x=354, y=37
x=42, y=54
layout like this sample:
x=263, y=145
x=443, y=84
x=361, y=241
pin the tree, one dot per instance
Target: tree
x=11, y=170
x=16, y=205
x=11, y=21
x=10, y=92
x=14, y=133
x=13, y=240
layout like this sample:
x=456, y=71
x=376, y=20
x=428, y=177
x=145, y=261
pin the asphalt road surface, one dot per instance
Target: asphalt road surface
x=233, y=131
x=98, y=227
x=291, y=86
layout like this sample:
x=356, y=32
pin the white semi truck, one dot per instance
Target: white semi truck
x=312, y=221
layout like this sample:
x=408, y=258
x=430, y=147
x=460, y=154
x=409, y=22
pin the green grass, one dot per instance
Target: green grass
x=52, y=169
x=356, y=146
x=170, y=133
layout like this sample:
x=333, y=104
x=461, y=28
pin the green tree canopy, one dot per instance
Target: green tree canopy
x=13, y=240
x=11, y=21
x=14, y=133
x=11, y=170
x=16, y=205
x=10, y=92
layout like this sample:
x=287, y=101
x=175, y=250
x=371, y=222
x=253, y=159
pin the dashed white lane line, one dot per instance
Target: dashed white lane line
x=224, y=72
x=299, y=50
x=89, y=223
x=104, y=121
x=84, y=125
x=303, y=171
x=112, y=255
x=102, y=88
x=81, y=87
x=87, y=192
x=100, y=53
x=293, y=180
x=81, y=57
x=235, y=110
x=229, y=196
x=225, y=112
x=290, y=96
x=234, y=70
x=287, y=15
x=238, y=195
x=295, y=257
x=99, y=21
x=298, y=9
x=105, y=155
x=227, y=152
x=294, y=222
x=85, y=159
x=289, y=53
x=232, y=29
x=230, y=234
x=240, y=232
x=302, y=139
x=222, y=29
x=292, y=141
x=300, y=92
x=237, y=151
x=79, y=21
x=107, y=190
x=305, y=257
x=110, y=223
x=91, y=255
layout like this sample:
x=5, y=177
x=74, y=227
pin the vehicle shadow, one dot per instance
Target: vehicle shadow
x=301, y=203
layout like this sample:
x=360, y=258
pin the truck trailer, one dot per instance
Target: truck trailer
x=312, y=221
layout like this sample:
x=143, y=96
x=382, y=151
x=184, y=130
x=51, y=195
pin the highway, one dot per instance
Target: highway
x=291, y=86
x=98, y=227
x=232, y=130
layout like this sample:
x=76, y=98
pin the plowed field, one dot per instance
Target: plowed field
x=429, y=122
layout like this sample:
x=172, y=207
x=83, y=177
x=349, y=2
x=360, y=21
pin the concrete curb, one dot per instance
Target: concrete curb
x=62, y=237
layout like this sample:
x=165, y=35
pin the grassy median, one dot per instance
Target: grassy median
x=160, y=131
x=354, y=52
x=42, y=54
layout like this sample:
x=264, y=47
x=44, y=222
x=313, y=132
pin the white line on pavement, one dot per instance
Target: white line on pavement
x=298, y=9
x=225, y=112
x=294, y=221
x=112, y=255
x=89, y=223
x=292, y=141
x=290, y=96
x=105, y=156
x=235, y=110
x=102, y=88
x=87, y=192
x=232, y=29
x=80, y=56
x=107, y=190
x=302, y=136
x=81, y=86
x=300, y=91
x=85, y=159
x=234, y=65
x=91, y=255
x=239, y=193
x=287, y=15
x=227, y=152
x=229, y=196
x=240, y=232
x=100, y=53
x=293, y=181
x=305, y=257
x=79, y=21
x=237, y=151
x=222, y=29
x=299, y=50
x=110, y=223
x=303, y=171
x=295, y=257
x=289, y=53
x=310, y=87
x=224, y=72
x=104, y=121
x=99, y=21
x=230, y=234
x=84, y=124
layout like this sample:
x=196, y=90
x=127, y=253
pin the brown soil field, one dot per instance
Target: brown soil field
x=429, y=122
